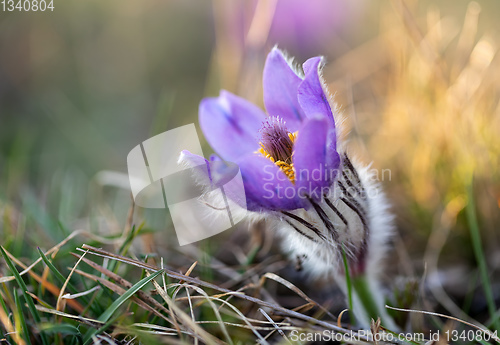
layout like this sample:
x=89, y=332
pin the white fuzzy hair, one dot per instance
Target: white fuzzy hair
x=322, y=259
x=321, y=252
x=318, y=245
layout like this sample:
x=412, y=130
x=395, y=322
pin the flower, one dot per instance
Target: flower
x=303, y=27
x=277, y=153
x=298, y=176
x=308, y=27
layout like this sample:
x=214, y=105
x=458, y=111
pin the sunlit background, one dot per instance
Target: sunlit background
x=418, y=81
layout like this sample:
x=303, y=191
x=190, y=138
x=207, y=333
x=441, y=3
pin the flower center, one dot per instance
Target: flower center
x=277, y=144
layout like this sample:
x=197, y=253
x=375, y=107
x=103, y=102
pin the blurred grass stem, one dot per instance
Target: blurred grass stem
x=479, y=254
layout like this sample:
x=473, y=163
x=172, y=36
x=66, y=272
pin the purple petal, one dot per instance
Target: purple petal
x=280, y=90
x=311, y=157
x=199, y=165
x=231, y=125
x=214, y=173
x=267, y=187
x=222, y=172
x=311, y=96
x=332, y=156
x=224, y=176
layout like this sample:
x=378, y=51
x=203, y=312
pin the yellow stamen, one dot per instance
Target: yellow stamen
x=286, y=167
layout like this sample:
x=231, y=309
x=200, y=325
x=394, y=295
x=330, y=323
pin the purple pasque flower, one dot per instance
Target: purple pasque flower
x=288, y=156
x=325, y=206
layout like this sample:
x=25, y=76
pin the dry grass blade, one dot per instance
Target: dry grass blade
x=295, y=289
x=236, y=310
x=126, y=284
x=87, y=321
x=191, y=308
x=437, y=240
x=120, y=291
x=304, y=307
x=27, y=269
x=60, y=300
x=340, y=317
x=484, y=330
x=200, y=333
x=278, y=309
x=217, y=297
x=83, y=293
x=260, y=328
x=214, y=308
x=170, y=331
x=49, y=286
x=280, y=331
x=4, y=318
x=188, y=272
x=38, y=299
x=191, y=268
x=54, y=249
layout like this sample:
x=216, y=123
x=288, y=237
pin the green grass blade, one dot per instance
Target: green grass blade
x=54, y=270
x=136, y=287
x=122, y=299
x=128, y=241
x=28, y=299
x=64, y=329
x=479, y=254
x=4, y=306
x=61, y=278
x=20, y=314
x=490, y=322
x=360, y=285
x=7, y=312
x=114, y=265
